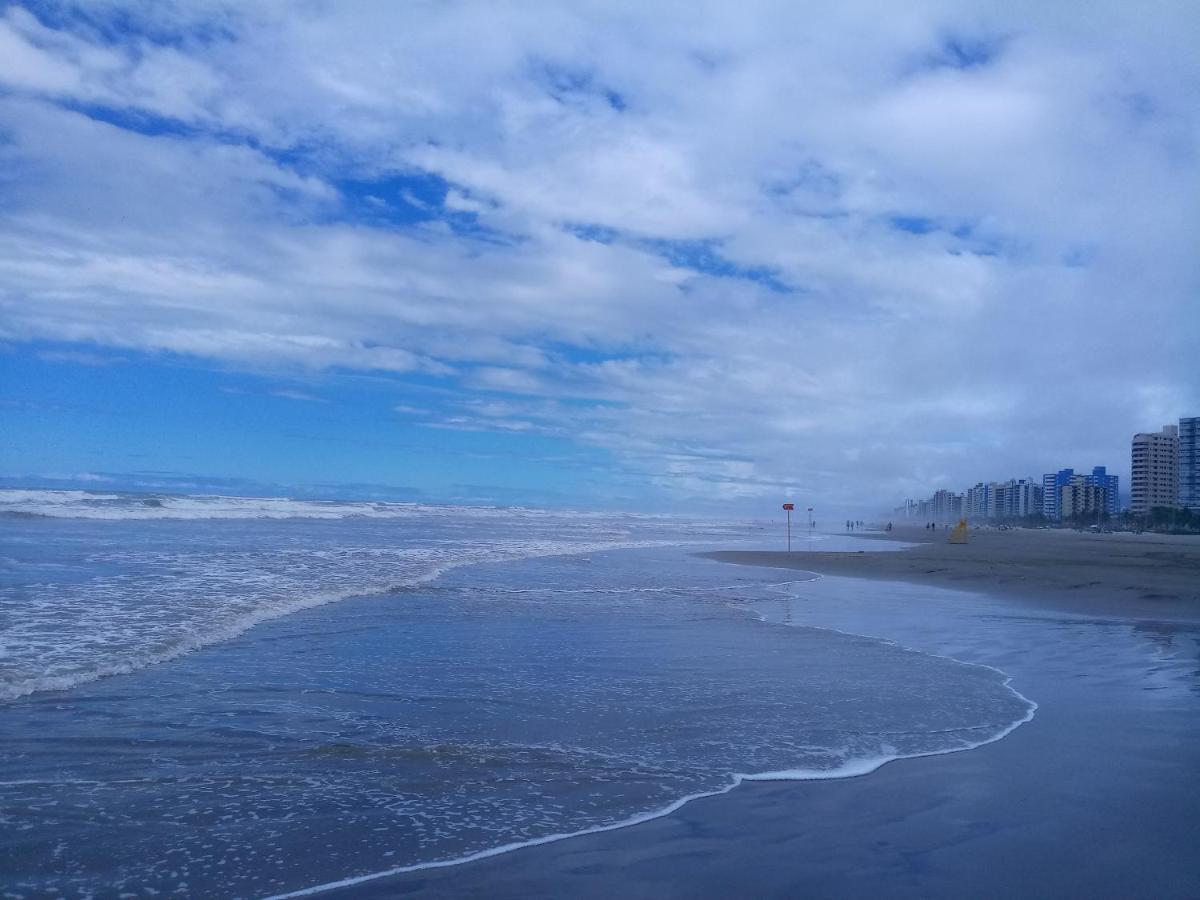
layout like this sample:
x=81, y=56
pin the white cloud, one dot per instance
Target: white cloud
x=293, y=394
x=596, y=155
x=31, y=68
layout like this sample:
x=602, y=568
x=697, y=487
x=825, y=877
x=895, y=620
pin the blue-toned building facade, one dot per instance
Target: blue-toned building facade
x=1101, y=479
x=1052, y=485
x=1189, y=463
x=1054, y=482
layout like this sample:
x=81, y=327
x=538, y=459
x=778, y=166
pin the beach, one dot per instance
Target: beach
x=248, y=698
x=1095, y=797
x=276, y=698
x=1122, y=574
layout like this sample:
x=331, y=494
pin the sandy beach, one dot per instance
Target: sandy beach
x=1119, y=574
x=1095, y=797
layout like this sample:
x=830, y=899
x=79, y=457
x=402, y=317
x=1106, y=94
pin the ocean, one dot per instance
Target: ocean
x=242, y=697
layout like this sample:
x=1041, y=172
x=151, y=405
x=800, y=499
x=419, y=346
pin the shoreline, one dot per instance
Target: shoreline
x=1122, y=575
x=384, y=880
x=1021, y=815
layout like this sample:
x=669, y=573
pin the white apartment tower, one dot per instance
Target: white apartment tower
x=1015, y=498
x=1155, y=470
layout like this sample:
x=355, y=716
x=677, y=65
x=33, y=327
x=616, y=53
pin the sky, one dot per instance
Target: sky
x=671, y=256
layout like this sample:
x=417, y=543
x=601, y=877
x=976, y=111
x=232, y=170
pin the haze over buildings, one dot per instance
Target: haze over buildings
x=1166, y=473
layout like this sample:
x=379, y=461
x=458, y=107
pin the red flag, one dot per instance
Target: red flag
x=789, y=506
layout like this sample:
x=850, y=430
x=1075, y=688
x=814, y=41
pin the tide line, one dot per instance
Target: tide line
x=852, y=769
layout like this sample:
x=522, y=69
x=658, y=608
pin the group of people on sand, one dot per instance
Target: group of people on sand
x=932, y=526
x=852, y=524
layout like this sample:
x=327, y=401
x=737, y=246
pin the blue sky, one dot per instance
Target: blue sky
x=666, y=257
x=105, y=420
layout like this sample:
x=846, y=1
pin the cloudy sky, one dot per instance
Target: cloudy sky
x=665, y=255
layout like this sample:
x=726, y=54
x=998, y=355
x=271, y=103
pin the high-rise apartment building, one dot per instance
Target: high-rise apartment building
x=945, y=506
x=1081, y=498
x=1110, y=485
x=1054, y=482
x=977, y=501
x=1155, y=470
x=1189, y=463
x=1015, y=499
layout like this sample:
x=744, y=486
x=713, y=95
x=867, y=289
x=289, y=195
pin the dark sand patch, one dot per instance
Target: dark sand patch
x=1152, y=576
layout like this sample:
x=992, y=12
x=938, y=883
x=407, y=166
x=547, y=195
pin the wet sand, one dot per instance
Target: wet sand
x=1034, y=815
x=1150, y=575
x=1096, y=797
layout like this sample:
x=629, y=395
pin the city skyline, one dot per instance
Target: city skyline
x=1164, y=472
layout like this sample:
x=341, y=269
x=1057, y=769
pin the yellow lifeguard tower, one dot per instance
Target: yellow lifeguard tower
x=959, y=534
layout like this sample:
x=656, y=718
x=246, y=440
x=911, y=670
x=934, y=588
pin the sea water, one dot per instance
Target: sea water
x=239, y=697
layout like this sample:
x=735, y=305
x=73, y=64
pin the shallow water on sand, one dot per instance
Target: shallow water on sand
x=482, y=705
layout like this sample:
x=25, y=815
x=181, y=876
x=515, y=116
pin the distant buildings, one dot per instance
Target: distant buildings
x=977, y=501
x=1155, y=470
x=1012, y=499
x=1015, y=499
x=1081, y=499
x=1053, y=484
x=1110, y=483
x=1189, y=463
x=945, y=506
x=1165, y=473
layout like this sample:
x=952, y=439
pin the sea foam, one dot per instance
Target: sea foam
x=98, y=589
x=118, y=506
